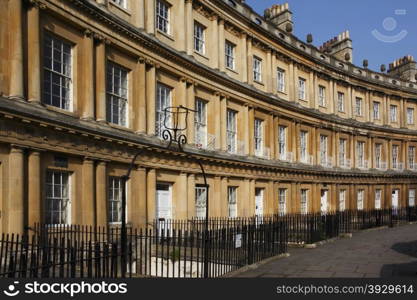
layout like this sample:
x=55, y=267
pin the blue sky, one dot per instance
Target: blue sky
x=381, y=30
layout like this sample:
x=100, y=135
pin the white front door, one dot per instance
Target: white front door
x=395, y=198
x=163, y=202
x=324, y=201
x=259, y=202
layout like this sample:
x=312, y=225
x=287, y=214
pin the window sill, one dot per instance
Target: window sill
x=60, y=110
x=282, y=92
x=113, y=125
x=304, y=100
x=232, y=70
x=167, y=35
x=201, y=55
x=121, y=8
x=258, y=82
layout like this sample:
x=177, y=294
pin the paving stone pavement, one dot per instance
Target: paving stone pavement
x=387, y=252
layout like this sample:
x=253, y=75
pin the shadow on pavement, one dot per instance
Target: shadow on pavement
x=402, y=270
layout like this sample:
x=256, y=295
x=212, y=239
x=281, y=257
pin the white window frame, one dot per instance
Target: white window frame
x=303, y=145
x=360, y=199
x=302, y=88
x=232, y=201
x=410, y=116
x=359, y=102
x=282, y=201
x=231, y=130
x=115, y=194
x=304, y=201
x=322, y=96
x=360, y=153
x=200, y=201
x=395, y=152
x=230, y=55
x=258, y=136
x=282, y=142
x=378, y=155
x=64, y=186
x=342, y=200
x=393, y=113
x=376, y=108
x=340, y=102
x=323, y=149
x=200, y=123
x=257, y=69
x=342, y=152
x=411, y=197
x=163, y=100
x=378, y=198
x=64, y=73
x=121, y=3
x=411, y=156
x=199, y=38
x=281, y=80
x=117, y=99
x=163, y=16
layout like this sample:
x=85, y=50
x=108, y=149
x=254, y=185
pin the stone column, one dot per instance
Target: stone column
x=246, y=134
x=251, y=197
x=218, y=124
x=151, y=195
x=268, y=71
x=244, y=57
x=311, y=89
x=133, y=204
x=191, y=196
x=272, y=128
x=314, y=95
x=214, y=37
x=251, y=125
x=150, y=98
x=101, y=194
x=87, y=205
x=15, y=208
x=402, y=114
x=189, y=39
x=34, y=188
x=249, y=59
x=181, y=98
x=190, y=103
x=87, y=84
x=370, y=152
x=16, y=89
x=150, y=16
x=181, y=200
x=140, y=120
x=314, y=151
x=100, y=97
x=33, y=47
x=142, y=193
x=139, y=16
x=224, y=204
x=221, y=46
x=216, y=200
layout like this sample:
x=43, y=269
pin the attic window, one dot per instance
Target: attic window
x=281, y=35
x=411, y=85
x=341, y=65
x=302, y=47
x=232, y=3
x=376, y=77
x=258, y=21
x=322, y=57
x=359, y=72
x=394, y=81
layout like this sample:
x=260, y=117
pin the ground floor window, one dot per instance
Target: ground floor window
x=411, y=197
x=200, y=201
x=231, y=195
x=342, y=200
x=378, y=196
x=282, y=201
x=57, y=204
x=115, y=199
x=360, y=197
x=304, y=202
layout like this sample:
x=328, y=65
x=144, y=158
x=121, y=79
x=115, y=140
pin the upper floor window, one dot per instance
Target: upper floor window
x=57, y=204
x=359, y=106
x=393, y=113
x=376, y=110
x=378, y=153
x=395, y=149
x=258, y=136
x=163, y=100
x=342, y=200
x=342, y=152
x=163, y=16
x=411, y=156
x=282, y=201
x=282, y=142
x=304, y=201
x=360, y=154
x=303, y=146
x=322, y=96
x=230, y=55
x=257, y=69
x=115, y=199
x=231, y=131
x=201, y=123
x=281, y=80
x=116, y=89
x=323, y=149
x=301, y=88
x=232, y=201
x=340, y=102
x=199, y=38
x=361, y=194
x=410, y=115
x=57, y=66
x=121, y=3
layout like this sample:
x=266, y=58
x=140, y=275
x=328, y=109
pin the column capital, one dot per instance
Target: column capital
x=17, y=148
x=36, y=4
x=88, y=160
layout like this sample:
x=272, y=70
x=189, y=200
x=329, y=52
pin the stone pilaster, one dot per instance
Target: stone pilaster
x=87, y=72
x=140, y=114
x=87, y=213
x=100, y=74
x=34, y=64
x=188, y=43
x=191, y=196
x=221, y=46
x=16, y=89
x=150, y=98
x=190, y=103
x=150, y=16
x=34, y=188
x=142, y=199
x=151, y=195
x=101, y=194
x=15, y=202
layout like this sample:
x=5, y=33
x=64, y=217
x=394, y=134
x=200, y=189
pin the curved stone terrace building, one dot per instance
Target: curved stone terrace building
x=282, y=126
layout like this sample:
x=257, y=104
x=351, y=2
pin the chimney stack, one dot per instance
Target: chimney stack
x=280, y=15
x=404, y=68
x=340, y=47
